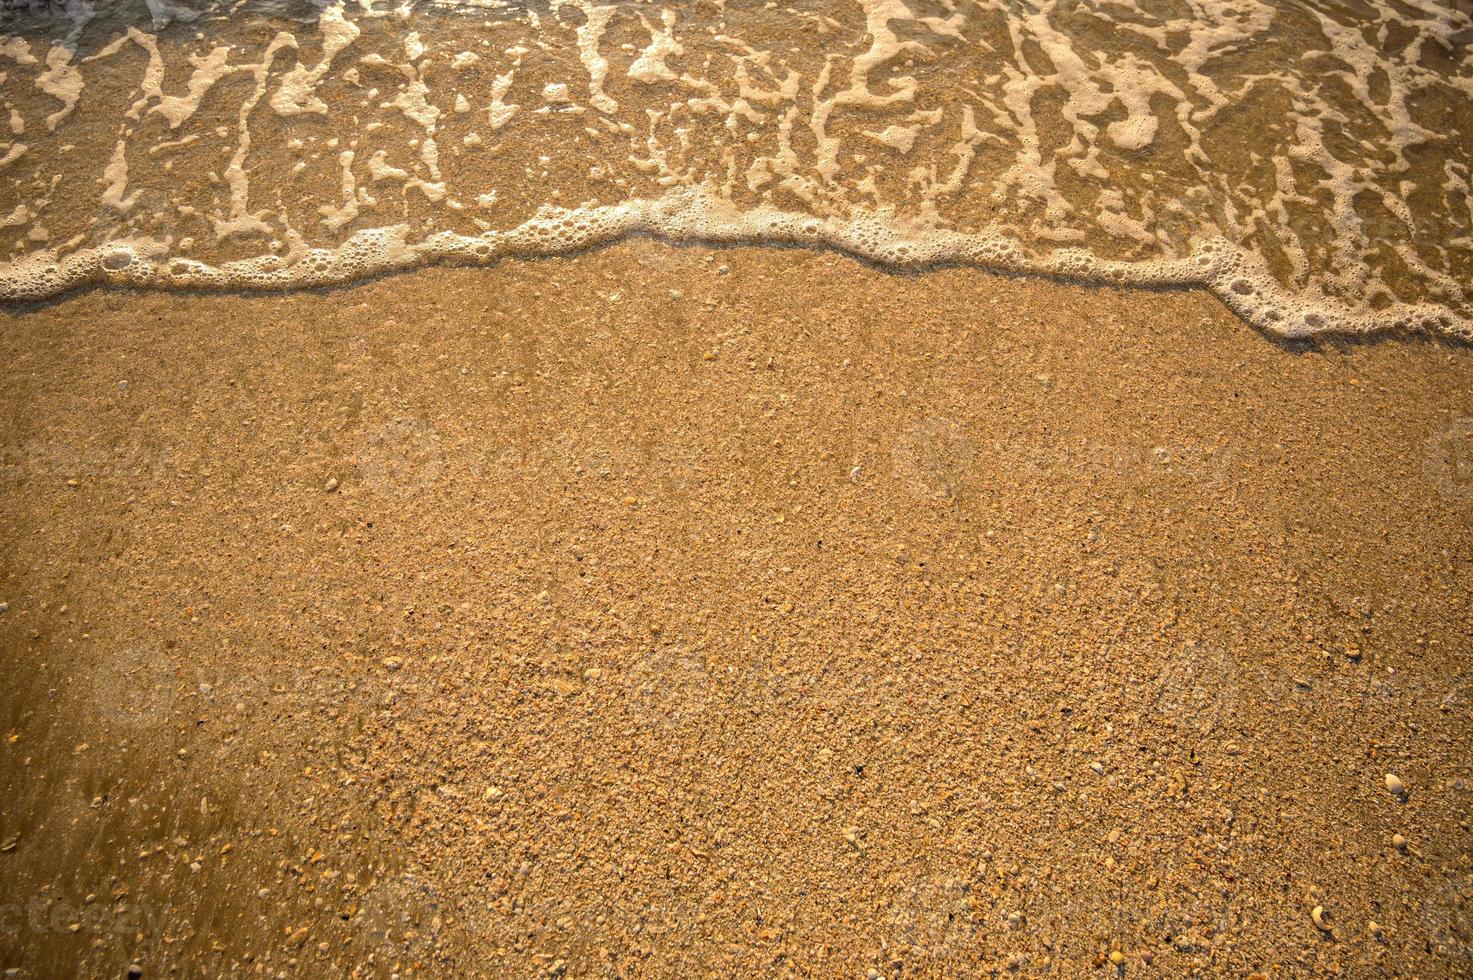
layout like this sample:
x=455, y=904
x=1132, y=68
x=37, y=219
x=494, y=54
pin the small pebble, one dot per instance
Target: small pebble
x=1099, y=769
x=1318, y=915
x=1117, y=957
x=1398, y=841
x=332, y=484
x=1395, y=785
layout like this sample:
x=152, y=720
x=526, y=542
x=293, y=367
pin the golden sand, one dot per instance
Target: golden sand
x=673, y=611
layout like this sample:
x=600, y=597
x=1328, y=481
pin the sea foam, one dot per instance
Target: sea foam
x=1310, y=171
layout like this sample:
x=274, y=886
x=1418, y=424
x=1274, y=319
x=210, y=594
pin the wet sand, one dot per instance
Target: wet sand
x=660, y=611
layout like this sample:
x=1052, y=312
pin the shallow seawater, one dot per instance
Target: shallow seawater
x=1308, y=162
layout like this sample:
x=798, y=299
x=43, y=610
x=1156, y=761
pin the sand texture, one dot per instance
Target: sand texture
x=670, y=611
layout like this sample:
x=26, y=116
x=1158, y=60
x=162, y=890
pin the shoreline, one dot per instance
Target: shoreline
x=1234, y=276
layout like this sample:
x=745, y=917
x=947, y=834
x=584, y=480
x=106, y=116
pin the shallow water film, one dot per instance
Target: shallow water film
x=1308, y=162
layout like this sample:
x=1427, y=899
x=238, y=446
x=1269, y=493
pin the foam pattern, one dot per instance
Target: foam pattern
x=1308, y=165
x=689, y=216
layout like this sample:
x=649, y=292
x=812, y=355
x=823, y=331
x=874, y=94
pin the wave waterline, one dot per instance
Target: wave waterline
x=1231, y=274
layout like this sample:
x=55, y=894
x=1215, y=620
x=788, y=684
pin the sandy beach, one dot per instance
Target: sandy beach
x=674, y=610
